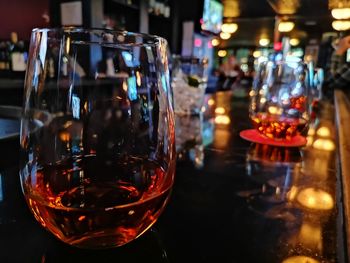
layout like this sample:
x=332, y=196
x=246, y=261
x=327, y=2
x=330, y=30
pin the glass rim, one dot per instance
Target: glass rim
x=149, y=39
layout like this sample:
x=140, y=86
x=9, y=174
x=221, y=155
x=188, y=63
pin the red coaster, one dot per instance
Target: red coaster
x=253, y=135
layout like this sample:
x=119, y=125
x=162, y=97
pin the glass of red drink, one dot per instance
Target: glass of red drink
x=279, y=104
x=97, y=134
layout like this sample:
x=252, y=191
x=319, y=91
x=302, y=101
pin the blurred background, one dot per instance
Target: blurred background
x=232, y=34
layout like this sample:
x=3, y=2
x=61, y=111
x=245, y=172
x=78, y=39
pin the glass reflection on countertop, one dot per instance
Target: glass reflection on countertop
x=295, y=187
x=270, y=170
x=266, y=153
x=193, y=133
x=314, y=186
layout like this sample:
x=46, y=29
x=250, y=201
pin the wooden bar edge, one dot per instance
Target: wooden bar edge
x=342, y=118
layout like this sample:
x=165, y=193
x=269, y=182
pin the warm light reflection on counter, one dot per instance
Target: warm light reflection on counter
x=220, y=110
x=222, y=119
x=221, y=138
x=300, y=259
x=323, y=132
x=315, y=199
x=324, y=144
x=311, y=236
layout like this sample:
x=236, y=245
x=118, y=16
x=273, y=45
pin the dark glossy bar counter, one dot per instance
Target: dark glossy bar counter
x=233, y=201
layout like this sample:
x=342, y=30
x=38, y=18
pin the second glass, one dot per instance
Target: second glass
x=279, y=99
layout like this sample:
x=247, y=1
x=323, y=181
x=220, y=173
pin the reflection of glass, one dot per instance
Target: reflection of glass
x=189, y=139
x=279, y=102
x=310, y=234
x=274, y=180
x=188, y=131
x=98, y=169
x=271, y=170
x=267, y=153
x=313, y=187
x=189, y=81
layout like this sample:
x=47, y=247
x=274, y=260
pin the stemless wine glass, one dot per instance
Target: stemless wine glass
x=97, y=134
x=279, y=99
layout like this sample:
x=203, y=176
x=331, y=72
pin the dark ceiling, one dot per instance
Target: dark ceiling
x=257, y=18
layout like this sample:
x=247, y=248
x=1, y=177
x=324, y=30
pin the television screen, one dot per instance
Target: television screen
x=212, y=16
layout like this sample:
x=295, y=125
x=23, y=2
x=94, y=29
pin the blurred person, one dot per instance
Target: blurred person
x=326, y=52
x=250, y=63
x=340, y=70
x=113, y=22
x=230, y=67
x=229, y=72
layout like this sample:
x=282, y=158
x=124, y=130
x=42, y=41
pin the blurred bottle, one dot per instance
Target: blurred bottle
x=151, y=6
x=2, y=55
x=157, y=8
x=4, y=59
x=18, y=56
x=161, y=8
x=166, y=9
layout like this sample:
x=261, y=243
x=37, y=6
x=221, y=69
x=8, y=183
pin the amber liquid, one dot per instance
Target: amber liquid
x=94, y=203
x=278, y=127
